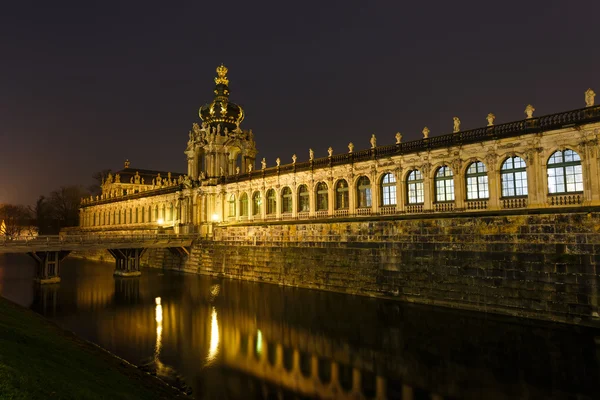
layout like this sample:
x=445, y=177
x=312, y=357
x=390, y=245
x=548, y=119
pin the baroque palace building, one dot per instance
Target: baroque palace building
x=538, y=162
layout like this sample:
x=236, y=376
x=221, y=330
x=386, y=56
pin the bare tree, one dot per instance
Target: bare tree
x=64, y=204
x=14, y=219
x=99, y=177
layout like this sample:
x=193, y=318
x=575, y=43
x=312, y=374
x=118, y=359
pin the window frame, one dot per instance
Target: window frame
x=388, y=190
x=482, y=187
x=562, y=166
x=447, y=182
x=509, y=175
x=364, y=194
x=416, y=186
x=342, y=195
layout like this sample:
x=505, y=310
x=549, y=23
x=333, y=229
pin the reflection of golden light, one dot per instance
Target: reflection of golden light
x=213, y=349
x=158, y=315
x=259, y=342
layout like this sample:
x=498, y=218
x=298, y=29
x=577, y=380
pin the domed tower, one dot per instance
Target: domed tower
x=219, y=146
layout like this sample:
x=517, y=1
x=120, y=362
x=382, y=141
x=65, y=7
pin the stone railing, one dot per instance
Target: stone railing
x=271, y=216
x=414, y=208
x=322, y=214
x=443, y=207
x=387, y=210
x=364, y=211
x=303, y=215
x=287, y=215
x=517, y=202
x=341, y=213
x=476, y=204
x=565, y=199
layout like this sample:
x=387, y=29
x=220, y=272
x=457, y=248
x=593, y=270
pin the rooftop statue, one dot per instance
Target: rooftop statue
x=264, y=163
x=311, y=154
x=373, y=141
x=398, y=138
x=456, y=124
x=490, y=119
x=330, y=151
x=350, y=147
x=589, y=97
x=126, y=163
x=529, y=111
x=294, y=158
x=278, y=161
x=426, y=133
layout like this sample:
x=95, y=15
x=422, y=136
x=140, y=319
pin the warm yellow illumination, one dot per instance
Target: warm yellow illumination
x=157, y=300
x=259, y=342
x=215, y=217
x=213, y=348
x=160, y=221
x=159, y=314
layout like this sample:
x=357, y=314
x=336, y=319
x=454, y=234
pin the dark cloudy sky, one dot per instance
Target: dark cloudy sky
x=84, y=85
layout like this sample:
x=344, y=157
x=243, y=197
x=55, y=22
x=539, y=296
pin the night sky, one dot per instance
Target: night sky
x=84, y=86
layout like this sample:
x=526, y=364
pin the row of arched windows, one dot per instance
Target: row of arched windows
x=132, y=215
x=564, y=176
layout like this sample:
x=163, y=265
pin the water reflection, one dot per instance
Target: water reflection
x=236, y=340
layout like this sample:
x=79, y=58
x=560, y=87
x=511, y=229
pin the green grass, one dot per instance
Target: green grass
x=38, y=360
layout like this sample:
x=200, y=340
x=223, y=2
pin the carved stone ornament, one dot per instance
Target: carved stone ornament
x=589, y=97
x=373, y=141
x=350, y=147
x=278, y=161
x=529, y=111
x=127, y=163
x=490, y=119
x=456, y=164
x=425, y=169
x=237, y=170
x=294, y=158
x=330, y=151
x=398, y=138
x=249, y=167
x=490, y=160
x=456, y=127
x=311, y=154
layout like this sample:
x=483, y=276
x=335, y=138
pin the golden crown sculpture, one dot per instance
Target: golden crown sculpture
x=222, y=75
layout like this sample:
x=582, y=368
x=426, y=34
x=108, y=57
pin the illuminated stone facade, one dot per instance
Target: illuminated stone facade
x=536, y=163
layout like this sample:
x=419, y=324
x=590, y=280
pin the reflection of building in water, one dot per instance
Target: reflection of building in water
x=94, y=293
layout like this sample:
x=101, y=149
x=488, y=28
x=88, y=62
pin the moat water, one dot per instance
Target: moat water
x=226, y=339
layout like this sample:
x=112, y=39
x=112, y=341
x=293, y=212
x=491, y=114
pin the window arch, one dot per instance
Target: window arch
x=244, y=205
x=363, y=192
x=341, y=195
x=514, y=177
x=564, y=172
x=416, y=192
x=303, y=199
x=444, y=184
x=286, y=200
x=388, y=190
x=271, y=201
x=256, y=203
x=322, y=197
x=231, y=206
x=477, y=181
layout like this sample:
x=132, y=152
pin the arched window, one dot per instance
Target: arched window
x=444, y=184
x=415, y=187
x=341, y=195
x=271, y=201
x=303, y=199
x=231, y=206
x=514, y=177
x=564, y=172
x=322, y=197
x=256, y=203
x=286, y=200
x=244, y=205
x=477, y=181
x=388, y=190
x=363, y=192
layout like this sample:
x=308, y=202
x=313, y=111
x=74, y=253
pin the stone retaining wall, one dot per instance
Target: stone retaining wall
x=538, y=266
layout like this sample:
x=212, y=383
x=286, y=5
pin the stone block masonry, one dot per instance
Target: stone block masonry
x=543, y=266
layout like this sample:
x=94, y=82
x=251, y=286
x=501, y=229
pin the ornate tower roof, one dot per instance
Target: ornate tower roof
x=221, y=111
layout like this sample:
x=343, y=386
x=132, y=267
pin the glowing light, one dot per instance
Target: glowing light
x=158, y=312
x=158, y=316
x=215, y=217
x=213, y=348
x=157, y=300
x=160, y=221
x=259, y=342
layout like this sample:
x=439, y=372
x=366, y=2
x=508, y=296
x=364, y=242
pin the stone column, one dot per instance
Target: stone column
x=295, y=199
x=375, y=193
x=494, y=188
x=460, y=188
x=401, y=194
x=427, y=192
x=589, y=165
x=352, y=196
x=278, y=202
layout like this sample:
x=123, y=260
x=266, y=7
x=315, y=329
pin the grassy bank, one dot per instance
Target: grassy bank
x=38, y=360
